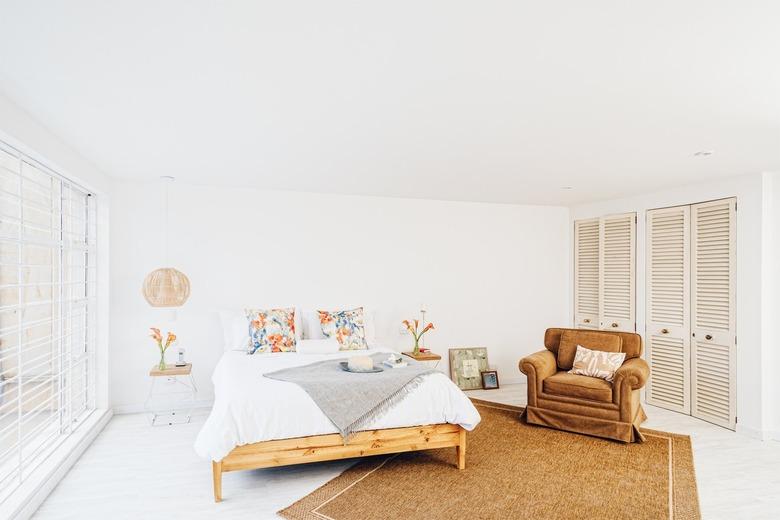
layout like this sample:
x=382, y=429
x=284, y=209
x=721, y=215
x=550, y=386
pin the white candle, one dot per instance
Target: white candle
x=360, y=363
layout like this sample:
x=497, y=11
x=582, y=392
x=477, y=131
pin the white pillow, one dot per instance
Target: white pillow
x=317, y=346
x=235, y=327
x=235, y=330
x=370, y=327
x=311, y=325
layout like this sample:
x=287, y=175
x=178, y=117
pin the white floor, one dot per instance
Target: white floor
x=136, y=471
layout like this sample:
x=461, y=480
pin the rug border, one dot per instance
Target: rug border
x=377, y=464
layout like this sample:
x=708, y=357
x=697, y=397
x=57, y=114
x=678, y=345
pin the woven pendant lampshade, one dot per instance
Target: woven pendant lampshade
x=166, y=287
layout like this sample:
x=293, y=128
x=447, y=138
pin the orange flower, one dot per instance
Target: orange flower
x=325, y=317
x=155, y=335
x=416, y=324
x=170, y=339
x=428, y=327
x=275, y=340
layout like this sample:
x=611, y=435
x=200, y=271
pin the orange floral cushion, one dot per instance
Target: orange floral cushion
x=346, y=326
x=271, y=330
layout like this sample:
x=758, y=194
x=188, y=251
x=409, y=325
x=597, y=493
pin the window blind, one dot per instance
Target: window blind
x=47, y=312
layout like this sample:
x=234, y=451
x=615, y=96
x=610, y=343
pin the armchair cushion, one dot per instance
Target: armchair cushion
x=593, y=340
x=584, y=387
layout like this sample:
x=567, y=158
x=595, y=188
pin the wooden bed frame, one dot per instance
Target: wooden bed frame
x=317, y=448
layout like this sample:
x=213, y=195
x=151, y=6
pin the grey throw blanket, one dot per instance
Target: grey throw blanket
x=352, y=400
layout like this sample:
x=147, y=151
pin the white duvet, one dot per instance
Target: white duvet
x=251, y=408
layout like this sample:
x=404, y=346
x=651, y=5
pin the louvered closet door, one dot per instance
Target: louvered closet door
x=586, y=273
x=713, y=299
x=668, y=333
x=617, y=265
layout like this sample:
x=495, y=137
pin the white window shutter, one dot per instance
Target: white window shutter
x=586, y=273
x=617, y=265
x=668, y=308
x=713, y=305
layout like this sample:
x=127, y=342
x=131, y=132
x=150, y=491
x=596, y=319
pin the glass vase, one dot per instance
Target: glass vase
x=162, y=365
x=416, y=350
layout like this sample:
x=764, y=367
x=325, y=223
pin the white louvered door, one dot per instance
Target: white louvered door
x=586, y=273
x=668, y=336
x=713, y=305
x=617, y=267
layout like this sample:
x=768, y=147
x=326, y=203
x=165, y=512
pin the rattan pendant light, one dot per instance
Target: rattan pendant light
x=166, y=286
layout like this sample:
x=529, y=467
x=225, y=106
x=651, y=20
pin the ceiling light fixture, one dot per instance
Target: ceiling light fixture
x=567, y=187
x=166, y=286
x=703, y=153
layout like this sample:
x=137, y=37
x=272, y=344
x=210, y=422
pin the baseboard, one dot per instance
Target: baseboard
x=513, y=381
x=29, y=497
x=139, y=407
x=753, y=433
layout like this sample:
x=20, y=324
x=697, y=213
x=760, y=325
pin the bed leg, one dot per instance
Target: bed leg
x=216, y=469
x=461, y=449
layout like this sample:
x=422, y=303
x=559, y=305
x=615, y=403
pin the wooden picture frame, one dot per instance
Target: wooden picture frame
x=489, y=379
x=466, y=365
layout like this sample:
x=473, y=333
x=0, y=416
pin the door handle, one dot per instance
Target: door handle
x=664, y=331
x=614, y=325
x=708, y=336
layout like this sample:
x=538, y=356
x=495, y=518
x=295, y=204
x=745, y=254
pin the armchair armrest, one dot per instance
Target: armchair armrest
x=633, y=372
x=543, y=363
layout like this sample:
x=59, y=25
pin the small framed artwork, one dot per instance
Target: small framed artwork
x=489, y=379
x=466, y=365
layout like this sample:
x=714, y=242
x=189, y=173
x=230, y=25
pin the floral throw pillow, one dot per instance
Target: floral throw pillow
x=346, y=326
x=595, y=363
x=271, y=330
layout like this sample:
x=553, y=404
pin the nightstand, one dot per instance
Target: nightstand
x=425, y=357
x=173, y=397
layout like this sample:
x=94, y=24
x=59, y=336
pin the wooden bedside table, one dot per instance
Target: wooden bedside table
x=424, y=357
x=180, y=395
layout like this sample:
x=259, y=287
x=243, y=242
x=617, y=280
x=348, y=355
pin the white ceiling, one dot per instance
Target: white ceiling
x=500, y=101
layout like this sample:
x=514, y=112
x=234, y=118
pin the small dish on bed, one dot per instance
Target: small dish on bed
x=345, y=367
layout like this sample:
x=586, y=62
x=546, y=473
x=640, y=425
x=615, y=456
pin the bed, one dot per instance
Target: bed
x=257, y=422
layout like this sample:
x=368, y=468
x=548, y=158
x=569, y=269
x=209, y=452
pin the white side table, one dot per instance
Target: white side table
x=174, y=397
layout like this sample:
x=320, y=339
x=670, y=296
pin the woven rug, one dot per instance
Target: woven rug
x=516, y=470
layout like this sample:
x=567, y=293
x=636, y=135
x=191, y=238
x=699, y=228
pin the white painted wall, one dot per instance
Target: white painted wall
x=771, y=299
x=23, y=132
x=490, y=275
x=753, y=389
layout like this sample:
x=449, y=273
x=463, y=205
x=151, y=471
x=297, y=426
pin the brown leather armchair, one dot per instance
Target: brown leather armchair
x=585, y=404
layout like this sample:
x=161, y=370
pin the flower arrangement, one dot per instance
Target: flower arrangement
x=416, y=333
x=169, y=340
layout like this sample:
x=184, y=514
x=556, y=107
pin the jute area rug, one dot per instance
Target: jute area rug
x=515, y=470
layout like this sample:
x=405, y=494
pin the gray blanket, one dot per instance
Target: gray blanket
x=352, y=400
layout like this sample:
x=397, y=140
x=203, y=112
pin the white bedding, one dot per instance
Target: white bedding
x=251, y=408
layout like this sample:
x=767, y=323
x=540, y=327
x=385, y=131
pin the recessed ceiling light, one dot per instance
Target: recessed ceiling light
x=703, y=153
x=567, y=187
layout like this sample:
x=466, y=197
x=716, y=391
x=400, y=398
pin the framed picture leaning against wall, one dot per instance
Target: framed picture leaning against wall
x=467, y=365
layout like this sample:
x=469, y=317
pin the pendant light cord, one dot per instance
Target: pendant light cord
x=168, y=181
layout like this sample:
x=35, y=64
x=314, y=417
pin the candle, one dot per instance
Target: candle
x=360, y=363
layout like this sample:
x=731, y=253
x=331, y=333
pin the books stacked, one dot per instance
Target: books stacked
x=395, y=361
